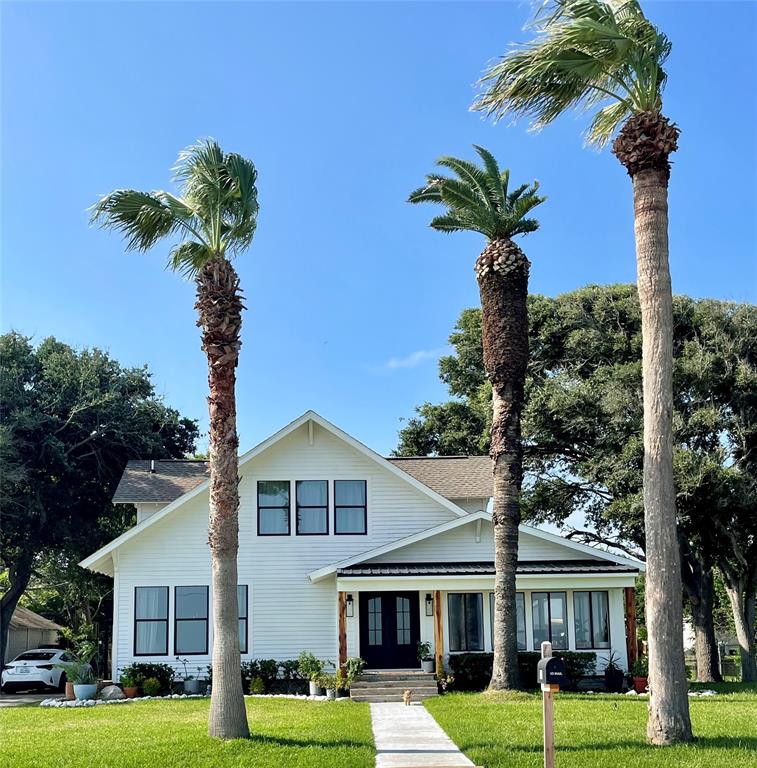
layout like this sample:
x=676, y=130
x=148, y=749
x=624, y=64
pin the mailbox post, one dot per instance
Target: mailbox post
x=549, y=673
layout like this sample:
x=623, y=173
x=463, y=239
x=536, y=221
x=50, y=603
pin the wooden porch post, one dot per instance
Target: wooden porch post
x=632, y=645
x=438, y=635
x=342, y=628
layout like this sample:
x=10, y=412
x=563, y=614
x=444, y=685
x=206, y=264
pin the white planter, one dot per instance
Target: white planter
x=427, y=665
x=330, y=695
x=192, y=686
x=84, y=692
x=314, y=688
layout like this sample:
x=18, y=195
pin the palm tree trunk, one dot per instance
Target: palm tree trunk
x=502, y=272
x=643, y=146
x=219, y=306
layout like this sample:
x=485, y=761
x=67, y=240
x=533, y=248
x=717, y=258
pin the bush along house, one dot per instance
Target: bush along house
x=343, y=552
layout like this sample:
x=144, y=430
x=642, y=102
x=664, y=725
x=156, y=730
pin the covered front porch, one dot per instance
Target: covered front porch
x=384, y=610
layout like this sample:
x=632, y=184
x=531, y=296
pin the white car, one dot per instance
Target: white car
x=35, y=669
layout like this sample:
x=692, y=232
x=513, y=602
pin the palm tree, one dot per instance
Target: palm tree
x=478, y=200
x=608, y=56
x=216, y=213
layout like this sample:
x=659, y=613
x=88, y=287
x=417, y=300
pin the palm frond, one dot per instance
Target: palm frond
x=188, y=258
x=217, y=208
x=586, y=54
x=478, y=200
x=142, y=217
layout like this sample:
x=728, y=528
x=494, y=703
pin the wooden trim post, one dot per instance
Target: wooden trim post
x=632, y=644
x=342, y=629
x=438, y=635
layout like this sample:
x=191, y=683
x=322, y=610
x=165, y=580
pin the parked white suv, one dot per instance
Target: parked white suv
x=35, y=669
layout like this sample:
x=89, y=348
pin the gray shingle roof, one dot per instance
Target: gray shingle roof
x=485, y=568
x=454, y=477
x=170, y=480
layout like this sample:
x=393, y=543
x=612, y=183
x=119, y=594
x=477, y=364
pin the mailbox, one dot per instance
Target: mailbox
x=551, y=671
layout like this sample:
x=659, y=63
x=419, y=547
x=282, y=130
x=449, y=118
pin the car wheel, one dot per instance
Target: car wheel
x=62, y=682
x=8, y=688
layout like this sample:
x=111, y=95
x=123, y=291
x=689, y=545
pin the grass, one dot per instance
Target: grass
x=505, y=731
x=168, y=734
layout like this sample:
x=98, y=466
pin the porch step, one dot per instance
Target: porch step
x=383, y=686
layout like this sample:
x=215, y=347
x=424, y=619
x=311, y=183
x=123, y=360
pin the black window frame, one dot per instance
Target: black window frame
x=480, y=595
x=522, y=594
x=592, y=647
x=364, y=507
x=549, y=594
x=165, y=621
x=288, y=507
x=245, y=618
x=298, y=507
x=176, y=618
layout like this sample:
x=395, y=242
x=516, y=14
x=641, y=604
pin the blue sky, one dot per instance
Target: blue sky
x=343, y=107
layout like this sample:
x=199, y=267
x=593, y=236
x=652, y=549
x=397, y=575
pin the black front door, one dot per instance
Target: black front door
x=390, y=627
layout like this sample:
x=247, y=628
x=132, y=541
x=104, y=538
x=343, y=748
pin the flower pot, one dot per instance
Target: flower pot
x=191, y=686
x=614, y=680
x=130, y=691
x=83, y=692
x=70, y=696
x=640, y=684
x=330, y=694
x=427, y=665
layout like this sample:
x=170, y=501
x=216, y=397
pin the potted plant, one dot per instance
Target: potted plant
x=640, y=674
x=129, y=681
x=80, y=672
x=352, y=669
x=191, y=683
x=425, y=656
x=613, y=674
x=330, y=683
x=311, y=669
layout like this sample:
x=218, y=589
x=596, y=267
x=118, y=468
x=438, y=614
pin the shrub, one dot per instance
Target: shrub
x=142, y=672
x=151, y=686
x=257, y=685
x=352, y=669
x=268, y=672
x=310, y=667
x=473, y=671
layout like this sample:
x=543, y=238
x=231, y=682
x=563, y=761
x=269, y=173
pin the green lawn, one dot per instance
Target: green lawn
x=501, y=731
x=285, y=732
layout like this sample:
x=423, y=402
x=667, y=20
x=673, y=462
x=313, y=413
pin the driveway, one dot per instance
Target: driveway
x=20, y=699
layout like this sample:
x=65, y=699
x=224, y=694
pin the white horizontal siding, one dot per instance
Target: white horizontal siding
x=472, y=505
x=287, y=612
x=461, y=545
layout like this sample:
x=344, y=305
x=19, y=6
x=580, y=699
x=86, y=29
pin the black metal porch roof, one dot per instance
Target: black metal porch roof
x=484, y=568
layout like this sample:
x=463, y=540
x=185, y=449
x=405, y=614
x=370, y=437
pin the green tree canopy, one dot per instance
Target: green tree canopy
x=71, y=420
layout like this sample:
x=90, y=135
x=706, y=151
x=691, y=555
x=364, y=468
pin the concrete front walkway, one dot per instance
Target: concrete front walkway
x=408, y=737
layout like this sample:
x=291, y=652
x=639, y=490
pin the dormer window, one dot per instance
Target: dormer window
x=273, y=508
x=350, y=507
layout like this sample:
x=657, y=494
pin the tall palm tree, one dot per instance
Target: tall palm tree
x=606, y=55
x=478, y=200
x=212, y=220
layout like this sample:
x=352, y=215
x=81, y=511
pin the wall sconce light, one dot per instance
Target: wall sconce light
x=350, y=607
x=429, y=605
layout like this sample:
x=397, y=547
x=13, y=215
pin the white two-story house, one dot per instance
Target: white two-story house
x=344, y=552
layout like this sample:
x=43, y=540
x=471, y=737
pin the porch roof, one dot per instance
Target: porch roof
x=483, y=569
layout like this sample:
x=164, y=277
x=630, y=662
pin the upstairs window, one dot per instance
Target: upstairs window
x=191, y=620
x=312, y=507
x=592, y=619
x=350, y=507
x=151, y=621
x=273, y=508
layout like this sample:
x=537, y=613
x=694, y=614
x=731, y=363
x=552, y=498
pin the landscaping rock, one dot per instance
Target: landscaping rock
x=111, y=693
